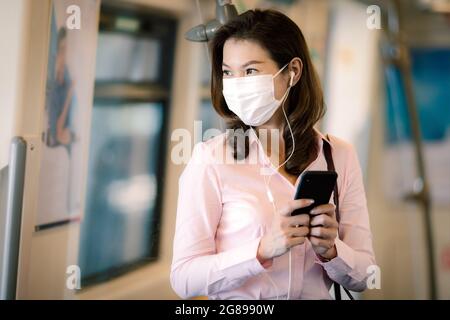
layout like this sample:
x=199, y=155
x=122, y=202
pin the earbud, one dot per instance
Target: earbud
x=292, y=73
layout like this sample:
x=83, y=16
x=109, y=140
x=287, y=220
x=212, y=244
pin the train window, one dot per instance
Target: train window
x=126, y=158
x=134, y=59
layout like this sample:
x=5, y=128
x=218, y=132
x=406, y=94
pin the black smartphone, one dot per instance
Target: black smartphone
x=316, y=185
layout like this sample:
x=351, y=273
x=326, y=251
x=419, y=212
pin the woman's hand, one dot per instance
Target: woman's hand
x=286, y=231
x=324, y=230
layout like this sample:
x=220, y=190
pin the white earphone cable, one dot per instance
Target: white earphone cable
x=271, y=198
x=290, y=275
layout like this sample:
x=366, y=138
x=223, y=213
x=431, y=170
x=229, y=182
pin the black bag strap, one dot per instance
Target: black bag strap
x=330, y=167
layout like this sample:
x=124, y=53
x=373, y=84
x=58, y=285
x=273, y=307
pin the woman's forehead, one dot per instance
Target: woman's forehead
x=237, y=52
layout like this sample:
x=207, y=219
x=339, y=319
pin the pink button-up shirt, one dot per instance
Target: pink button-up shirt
x=223, y=211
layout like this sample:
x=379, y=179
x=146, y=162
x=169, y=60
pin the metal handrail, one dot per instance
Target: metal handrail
x=13, y=219
x=398, y=55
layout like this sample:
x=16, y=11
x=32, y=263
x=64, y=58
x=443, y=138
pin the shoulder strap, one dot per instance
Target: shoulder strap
x=330, y=167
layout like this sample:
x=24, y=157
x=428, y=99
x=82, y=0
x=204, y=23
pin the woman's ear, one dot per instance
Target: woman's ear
x=296, y=66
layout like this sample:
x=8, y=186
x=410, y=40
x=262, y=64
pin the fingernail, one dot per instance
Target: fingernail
x=310, y=201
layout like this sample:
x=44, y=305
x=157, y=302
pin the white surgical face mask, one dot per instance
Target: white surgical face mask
x=252, y=98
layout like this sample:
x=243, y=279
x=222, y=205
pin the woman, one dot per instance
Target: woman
x=59, y=131
x=235, y=238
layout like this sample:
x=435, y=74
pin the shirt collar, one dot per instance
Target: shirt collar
x=254, y=139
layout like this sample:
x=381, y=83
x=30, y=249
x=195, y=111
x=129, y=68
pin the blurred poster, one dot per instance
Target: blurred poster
x=68, y=104
x=431, y=81
x=351, y=77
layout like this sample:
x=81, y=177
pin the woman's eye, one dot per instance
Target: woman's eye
x=250, y=71
x=226, y=73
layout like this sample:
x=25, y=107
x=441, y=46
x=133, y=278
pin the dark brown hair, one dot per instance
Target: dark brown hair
x=283, y=39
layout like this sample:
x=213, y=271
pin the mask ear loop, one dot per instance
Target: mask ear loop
x=281, y=70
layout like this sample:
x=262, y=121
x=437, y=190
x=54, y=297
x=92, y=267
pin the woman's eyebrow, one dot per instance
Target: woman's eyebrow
x=245, y=64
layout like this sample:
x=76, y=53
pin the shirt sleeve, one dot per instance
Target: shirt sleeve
x=354, y=244
x=197, y=268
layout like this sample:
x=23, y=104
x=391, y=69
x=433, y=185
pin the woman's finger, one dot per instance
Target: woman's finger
x=300, y=220
x=298, y=232
x=319, y=242
x=328, y=209
x=295, y=241
x=323, y=233
x=323, y=220
x=295, y=204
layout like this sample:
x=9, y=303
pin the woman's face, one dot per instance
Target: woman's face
x=244, y=58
